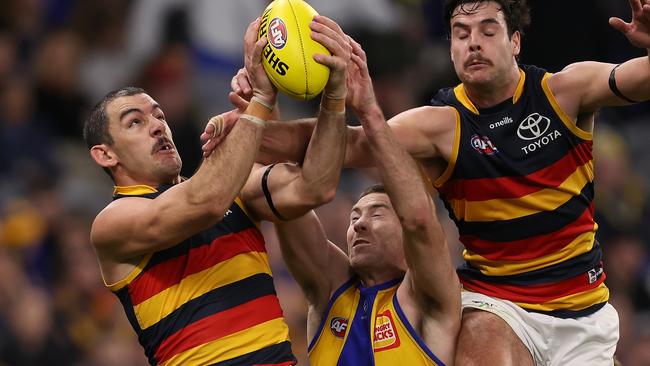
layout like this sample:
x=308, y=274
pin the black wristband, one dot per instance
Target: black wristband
x=614, y=88
x=267, y=193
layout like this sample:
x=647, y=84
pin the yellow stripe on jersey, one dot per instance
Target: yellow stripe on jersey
x=237, y=268
x=248, y=340
x=135, y=190
x=327, y=348
x=459, y=91
x=568, y=122
x=241, y=205
x=547, y=199
x=454, y=154
x=130, y=277
x=461, y=95
x=587, y=298
x=520, y=86
x=580, y=245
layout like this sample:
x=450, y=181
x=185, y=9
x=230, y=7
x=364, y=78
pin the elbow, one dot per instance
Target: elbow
x=318, y=196
x=327, y=196
x=207, y=208
x=418, y=218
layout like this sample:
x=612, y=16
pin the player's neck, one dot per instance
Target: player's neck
x=490, y=94
x=376, y=276
x=129, y=181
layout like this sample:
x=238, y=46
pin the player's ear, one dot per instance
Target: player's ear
x=104, y=156
x=516, y=43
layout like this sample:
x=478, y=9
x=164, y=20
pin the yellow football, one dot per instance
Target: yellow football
x=288, y=57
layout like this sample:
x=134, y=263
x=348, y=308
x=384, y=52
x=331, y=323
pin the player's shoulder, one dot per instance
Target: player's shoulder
x=109, y=221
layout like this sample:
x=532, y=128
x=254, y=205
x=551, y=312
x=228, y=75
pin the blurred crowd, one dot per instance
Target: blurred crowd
x=58, y=57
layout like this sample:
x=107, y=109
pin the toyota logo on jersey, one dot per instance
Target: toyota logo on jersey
x=533, y=127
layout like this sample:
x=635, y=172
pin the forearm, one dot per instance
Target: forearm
x=285, y=141
x=222, y=175
x=633, y=78
x=398, y=171
x=288, y=141
x=321, y=168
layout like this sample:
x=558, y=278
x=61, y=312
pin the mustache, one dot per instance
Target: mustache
x=161, y=142
x=477, y=58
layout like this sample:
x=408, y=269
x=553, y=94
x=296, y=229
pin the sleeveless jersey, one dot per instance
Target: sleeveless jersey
x=519, y=186
x=208, y=300
x=366, y=326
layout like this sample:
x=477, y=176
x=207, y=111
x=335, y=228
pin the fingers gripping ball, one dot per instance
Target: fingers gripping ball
x=288, y=57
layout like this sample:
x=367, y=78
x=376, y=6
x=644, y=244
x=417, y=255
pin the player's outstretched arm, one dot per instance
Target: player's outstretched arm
x=286, y=191
x=317, y=264
x=431, y=283
x=591, y=85
x=130, y=227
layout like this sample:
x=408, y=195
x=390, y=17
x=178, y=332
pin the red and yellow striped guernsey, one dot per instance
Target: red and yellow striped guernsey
x=208, y=300
x=519, y=186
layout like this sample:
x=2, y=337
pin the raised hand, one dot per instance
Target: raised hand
x=326, y=32
x=259, y=82
x=638, y=30
x=361, y=95
x=217, y=129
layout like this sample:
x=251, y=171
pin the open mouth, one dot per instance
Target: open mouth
x=163, y=145
x=359, y=242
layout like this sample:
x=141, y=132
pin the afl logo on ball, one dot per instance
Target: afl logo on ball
x=338, y=326
x=277, y=33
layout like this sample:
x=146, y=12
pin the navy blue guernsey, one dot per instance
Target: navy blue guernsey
x=519, y=186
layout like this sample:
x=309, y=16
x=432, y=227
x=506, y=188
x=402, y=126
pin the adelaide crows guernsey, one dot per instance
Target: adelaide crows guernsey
x=208, y=300
x=366, y=326
x=519, y=186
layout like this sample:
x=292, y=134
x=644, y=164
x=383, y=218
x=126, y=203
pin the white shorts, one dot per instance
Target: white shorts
x=588, y=340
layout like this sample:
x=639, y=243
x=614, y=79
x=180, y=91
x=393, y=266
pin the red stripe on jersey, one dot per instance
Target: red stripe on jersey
x=220, y=325
x=533, y=294
x=534, y=247
x=170, y=272
x=514, y=187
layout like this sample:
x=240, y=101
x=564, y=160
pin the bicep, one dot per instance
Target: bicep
x=431, y=275
x=275, y=192
x=133, y=226
x=128, y=228
x=423, y=132
x=583, y=88
x=318, y=265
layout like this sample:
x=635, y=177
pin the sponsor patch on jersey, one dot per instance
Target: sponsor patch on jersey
x=483, y=145
x=386, y=336
x=338, y=326
x=533, y=127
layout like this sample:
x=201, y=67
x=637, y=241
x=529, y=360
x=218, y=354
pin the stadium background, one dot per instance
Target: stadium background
x=57, y=57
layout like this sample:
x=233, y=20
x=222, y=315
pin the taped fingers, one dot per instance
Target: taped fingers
x=217, y=122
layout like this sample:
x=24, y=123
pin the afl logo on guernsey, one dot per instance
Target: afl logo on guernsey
x=338, y=326
x=483, y=145
x=386, y=336
x=277, y=33
x=533, y=127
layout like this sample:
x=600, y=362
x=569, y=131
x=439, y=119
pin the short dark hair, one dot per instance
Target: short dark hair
x=96, y=125
x=515, y=12
x=377, y=188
